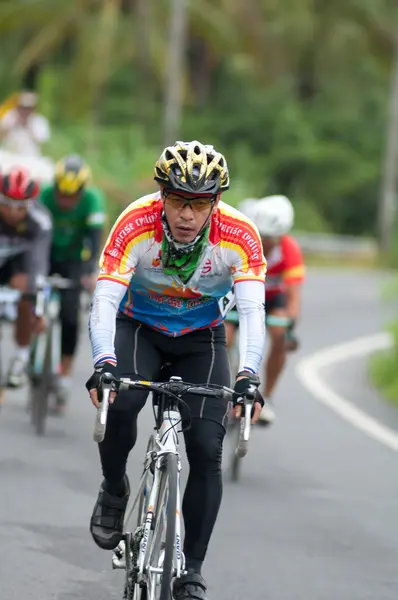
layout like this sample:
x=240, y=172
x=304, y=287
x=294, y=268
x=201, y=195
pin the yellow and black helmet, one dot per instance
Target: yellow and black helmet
x=193, y=168
x=71, y=175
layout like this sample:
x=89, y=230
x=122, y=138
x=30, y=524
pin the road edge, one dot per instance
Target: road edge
x=307, y=371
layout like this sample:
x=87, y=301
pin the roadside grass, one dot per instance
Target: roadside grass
x=383, y=369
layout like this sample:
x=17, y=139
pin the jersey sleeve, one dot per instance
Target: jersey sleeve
x=294, y=269
x=96, y=214
x=102, y=321
x=37, y=259
x=249, y=263
x=127, y=241
x=250, y=305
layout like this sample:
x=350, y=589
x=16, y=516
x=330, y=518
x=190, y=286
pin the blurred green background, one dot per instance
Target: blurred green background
x=294, y=92
x=300, y=95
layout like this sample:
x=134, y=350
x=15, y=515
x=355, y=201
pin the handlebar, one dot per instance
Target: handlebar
x=56, y=282
x=8, y=294
x=174, y=387
x=44, y=287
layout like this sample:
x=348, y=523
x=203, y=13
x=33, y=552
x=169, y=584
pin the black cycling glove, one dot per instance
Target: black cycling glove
x=94, y=381
x=242, y=385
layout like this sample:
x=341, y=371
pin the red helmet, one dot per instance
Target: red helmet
x=18, y=185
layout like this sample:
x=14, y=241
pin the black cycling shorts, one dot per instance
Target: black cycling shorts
x=197, y=357
x=277, y=301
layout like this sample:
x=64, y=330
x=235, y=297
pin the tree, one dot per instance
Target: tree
x=174, y=72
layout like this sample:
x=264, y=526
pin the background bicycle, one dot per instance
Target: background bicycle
x=8, y=310
x=151, y=550
x=45, y=352
x=235, y=426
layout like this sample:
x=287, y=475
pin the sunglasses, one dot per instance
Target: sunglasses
x=15, y=204
x=198, y=204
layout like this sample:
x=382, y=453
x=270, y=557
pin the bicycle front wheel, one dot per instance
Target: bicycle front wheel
x=168, y=563
x=162, y=552
x=235, y=460
x=40, y=388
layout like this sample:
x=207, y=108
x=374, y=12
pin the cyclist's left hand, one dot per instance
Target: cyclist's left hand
x=242, y=383
x=88, y=282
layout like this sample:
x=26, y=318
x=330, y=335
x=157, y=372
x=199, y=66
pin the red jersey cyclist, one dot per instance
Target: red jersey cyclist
x=274, y=216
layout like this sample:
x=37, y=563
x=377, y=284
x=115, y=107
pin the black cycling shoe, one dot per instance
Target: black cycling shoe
x=106, y=525
x=189, y=587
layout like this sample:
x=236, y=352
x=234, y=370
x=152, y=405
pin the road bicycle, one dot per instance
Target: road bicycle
x=43, y=369
x=151, y=549
x=234, y=426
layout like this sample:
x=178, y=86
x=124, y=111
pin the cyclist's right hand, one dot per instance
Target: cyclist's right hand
x=93, y=383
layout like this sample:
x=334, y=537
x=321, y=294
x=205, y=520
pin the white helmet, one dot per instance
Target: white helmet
x=274, y=216
x=248, y=207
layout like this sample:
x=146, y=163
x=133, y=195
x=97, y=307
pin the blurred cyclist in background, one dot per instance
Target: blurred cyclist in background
x=22, y=129
x=274, y=216
x=79, y=216
x=25, y=238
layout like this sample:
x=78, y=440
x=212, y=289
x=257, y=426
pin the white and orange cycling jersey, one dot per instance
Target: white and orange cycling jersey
x=132, y=280
x=285, y=266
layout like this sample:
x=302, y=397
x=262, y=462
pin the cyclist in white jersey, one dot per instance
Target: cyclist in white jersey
x=167, y=275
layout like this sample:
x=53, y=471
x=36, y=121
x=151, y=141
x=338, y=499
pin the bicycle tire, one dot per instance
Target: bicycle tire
x=41, y=389
x=236, y=461
x=130, y=590
x=171, y=473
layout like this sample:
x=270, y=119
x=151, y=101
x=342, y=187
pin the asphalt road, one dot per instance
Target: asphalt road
x=314, y=516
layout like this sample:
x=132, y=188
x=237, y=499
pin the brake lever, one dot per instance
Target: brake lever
x=102, y=412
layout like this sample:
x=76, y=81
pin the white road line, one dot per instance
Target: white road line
x=307, y=370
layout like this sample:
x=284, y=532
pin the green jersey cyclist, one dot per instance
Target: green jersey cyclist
x=78, y=215
x=167, y=273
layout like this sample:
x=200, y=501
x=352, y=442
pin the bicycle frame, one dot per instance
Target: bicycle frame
x=156, y=504
x=48, y=304
x=53, y=307
x=166, y=442
x=149, y=560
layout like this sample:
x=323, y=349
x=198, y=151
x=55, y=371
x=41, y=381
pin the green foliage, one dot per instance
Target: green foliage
x=294, y=93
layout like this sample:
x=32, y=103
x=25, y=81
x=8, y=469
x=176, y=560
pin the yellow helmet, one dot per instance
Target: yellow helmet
x=71, y=175
x=193, y=168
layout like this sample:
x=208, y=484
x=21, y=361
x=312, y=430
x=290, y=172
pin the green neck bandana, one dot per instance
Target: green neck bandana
x=176, y=262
